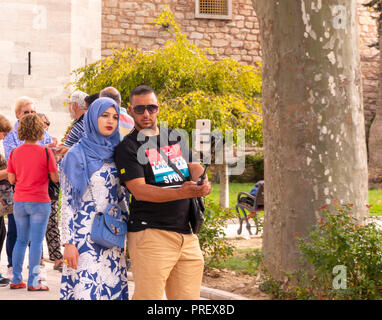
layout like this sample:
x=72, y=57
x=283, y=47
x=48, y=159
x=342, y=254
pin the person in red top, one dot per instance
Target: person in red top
x=29, y=166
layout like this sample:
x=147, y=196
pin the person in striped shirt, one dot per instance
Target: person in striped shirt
x=77, y=111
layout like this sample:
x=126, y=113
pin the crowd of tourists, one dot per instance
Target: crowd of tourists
x=118, y=204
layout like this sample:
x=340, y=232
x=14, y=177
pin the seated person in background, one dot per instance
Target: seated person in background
x=249, y=200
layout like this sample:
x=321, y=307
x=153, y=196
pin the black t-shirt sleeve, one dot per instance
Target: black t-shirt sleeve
x=127, y=163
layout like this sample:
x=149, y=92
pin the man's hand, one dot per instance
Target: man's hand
x=190, y=189
x=146, y=192
x=61, y=149
x=71, y=255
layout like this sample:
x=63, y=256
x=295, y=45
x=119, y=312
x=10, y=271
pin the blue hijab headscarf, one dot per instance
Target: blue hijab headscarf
x=91, y=152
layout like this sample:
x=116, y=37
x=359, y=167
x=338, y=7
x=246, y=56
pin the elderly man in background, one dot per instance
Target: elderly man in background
x=126, y=122
x=77, y=109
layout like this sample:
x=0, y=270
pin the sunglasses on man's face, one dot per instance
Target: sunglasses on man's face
x=151, y=108
x=28, y=112
x=47, y=123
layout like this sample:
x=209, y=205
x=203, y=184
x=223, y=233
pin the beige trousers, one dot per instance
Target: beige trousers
x=165, y=261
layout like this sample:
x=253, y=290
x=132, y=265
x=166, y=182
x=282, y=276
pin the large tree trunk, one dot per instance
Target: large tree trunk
x=314, y=135
x=375, y=135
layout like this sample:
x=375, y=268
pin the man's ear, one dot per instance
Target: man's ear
x=130, y=110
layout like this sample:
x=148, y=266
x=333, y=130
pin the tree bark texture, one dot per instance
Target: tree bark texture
x=314, y=136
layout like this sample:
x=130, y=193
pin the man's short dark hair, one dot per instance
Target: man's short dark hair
x=142, y=89
x=91, y=98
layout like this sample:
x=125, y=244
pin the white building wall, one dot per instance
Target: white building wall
x=60, y=35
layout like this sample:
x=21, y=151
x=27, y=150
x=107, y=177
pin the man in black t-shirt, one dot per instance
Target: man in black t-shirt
x=165, y=254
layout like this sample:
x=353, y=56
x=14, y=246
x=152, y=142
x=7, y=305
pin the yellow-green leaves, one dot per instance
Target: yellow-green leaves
x=190, y=85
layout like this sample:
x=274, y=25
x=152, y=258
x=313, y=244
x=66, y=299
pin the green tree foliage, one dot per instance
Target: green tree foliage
x=189, y=85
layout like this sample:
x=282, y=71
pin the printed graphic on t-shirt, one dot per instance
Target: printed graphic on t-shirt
x=162, y=171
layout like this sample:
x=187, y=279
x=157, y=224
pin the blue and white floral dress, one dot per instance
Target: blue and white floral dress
x=101, y=273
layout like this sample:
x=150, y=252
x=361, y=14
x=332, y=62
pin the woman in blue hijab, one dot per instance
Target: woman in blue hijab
x=89, y=184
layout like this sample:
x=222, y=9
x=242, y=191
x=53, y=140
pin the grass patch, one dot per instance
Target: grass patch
x=375, y=196
x=234, y=189
x=375, y=200
x=246, y=261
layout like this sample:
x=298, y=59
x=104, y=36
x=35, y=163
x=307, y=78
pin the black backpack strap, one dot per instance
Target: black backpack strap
x=47, y=157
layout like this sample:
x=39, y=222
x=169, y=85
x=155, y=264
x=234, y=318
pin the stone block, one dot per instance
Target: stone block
x=110, y=3
x=111, y=17
x=147, y=6
x=179, y=15
x=136, y=26
x=139, y=20
x=129, y=5
x=116, y=31
x=148, y=33
x=237, y=44
x=196, y=35
x=219, y=43
x=190, y=15
x=142, y=13
x=130, y=32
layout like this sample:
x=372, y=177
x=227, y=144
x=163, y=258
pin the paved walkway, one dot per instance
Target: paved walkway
x=54, y=279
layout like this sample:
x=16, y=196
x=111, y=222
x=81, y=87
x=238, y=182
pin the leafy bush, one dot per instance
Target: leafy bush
x=254, y=170
x=213, y=242
x=338, y=239
x=189, y=85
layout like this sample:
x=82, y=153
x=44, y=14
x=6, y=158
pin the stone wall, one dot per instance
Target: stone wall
x=126, y=23
x=59, y=36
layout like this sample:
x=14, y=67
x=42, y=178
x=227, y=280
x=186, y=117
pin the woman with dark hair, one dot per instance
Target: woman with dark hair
x=31, y=199
x=89, y=184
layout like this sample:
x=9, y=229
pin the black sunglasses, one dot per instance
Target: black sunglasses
x=47, y=123
x=28, y=112
x=140, y=109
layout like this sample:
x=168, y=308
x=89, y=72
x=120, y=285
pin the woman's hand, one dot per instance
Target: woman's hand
x=71, y=255
x=11, y=178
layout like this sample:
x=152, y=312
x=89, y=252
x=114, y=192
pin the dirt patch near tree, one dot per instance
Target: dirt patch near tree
x=235, y=282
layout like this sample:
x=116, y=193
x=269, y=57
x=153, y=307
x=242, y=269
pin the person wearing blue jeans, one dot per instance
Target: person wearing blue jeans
x=24, y=106
x=31, y=221
x=30, y=165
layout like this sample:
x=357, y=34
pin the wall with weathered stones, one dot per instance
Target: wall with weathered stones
x=126, y=23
